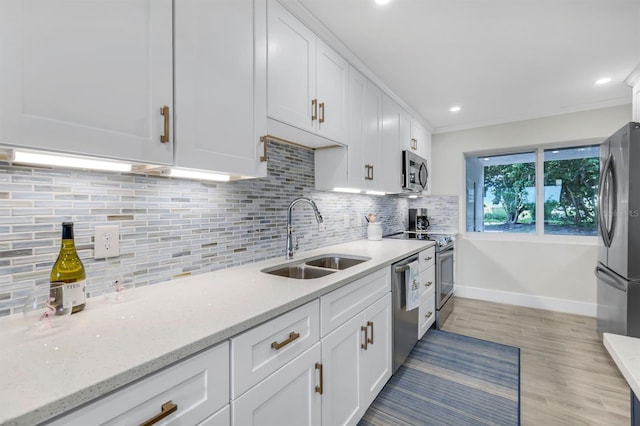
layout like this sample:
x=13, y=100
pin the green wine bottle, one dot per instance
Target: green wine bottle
x=69, y=270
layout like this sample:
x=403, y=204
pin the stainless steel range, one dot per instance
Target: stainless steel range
x=444, y=249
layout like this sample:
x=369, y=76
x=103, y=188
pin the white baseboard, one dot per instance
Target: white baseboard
x=527, y=300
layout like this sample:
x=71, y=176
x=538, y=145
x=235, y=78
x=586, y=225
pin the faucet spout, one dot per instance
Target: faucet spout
x=290, y=248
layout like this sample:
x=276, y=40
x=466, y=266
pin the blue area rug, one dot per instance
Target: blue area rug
x=450, y=379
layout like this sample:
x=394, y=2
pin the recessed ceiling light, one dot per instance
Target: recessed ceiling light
x=455, y=108
x=604, y=80
x=382, y=1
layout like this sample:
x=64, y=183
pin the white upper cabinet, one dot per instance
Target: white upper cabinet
x=331, y=84
x=307, y=81
x=88, y=77
x=371, y=161
x=220, y=85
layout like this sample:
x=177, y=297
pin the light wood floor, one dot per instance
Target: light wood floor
x=567, y=376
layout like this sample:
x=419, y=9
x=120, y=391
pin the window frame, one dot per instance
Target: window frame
x=538, y=235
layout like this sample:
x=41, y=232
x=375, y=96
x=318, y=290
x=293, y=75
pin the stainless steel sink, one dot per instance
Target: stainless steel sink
x=301, y=272
x=337, y=261
x=316, y=267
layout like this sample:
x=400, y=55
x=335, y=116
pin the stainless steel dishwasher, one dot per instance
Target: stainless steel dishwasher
x=405, y=323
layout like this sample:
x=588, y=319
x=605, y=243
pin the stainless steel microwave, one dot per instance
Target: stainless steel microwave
x=415, y=175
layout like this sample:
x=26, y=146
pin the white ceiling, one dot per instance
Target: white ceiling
x=500, y=60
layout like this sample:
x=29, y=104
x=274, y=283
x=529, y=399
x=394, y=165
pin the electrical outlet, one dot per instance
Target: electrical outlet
x=107, y=242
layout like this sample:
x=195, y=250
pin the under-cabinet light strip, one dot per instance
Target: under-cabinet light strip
x=35, y=158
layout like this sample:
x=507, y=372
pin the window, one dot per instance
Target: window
x=504, y=195
x=570, y=190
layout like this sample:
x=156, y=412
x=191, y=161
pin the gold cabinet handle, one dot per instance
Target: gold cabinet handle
x=322, y=111
x=320, y=386
x=428, y=314
x=166, y=409
x=164, y=111
x=366, y=171
x=366, y=338
x=428, y=283
x=371, y=178
x=314, y=107
x=370, y=324
x=292, y=336
x=264, y=141
x=414, y=143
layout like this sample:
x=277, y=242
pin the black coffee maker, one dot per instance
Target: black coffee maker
x=418, y=223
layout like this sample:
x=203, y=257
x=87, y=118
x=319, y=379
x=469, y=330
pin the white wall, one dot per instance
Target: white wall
x=543, y=272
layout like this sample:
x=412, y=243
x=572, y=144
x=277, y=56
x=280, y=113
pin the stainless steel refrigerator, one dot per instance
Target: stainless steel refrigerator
x=618, y=268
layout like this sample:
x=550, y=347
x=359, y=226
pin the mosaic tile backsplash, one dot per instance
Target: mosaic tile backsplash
x=172, y=227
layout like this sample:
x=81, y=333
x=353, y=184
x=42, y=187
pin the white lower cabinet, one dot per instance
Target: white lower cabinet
x=191, y=390
x=356, y=360
x=290, y=396
x=330, y=382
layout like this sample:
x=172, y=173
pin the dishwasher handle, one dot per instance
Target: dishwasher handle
x=402, y=268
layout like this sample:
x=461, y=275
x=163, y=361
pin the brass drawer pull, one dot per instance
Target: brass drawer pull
x=366, y=338
x=164, y=138
x=320, y=386
x=428, y=283
x=428, y=314
x=314, y=106
x=166, y=409
x=321, y=120
x=264, y=140
x=370, y=324
x=292, y=336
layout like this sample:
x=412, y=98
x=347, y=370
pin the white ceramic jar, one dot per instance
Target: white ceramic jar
x=374, y=231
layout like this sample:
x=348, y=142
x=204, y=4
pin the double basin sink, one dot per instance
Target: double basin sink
x=316, y=267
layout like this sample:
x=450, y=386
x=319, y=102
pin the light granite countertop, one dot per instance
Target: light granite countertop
x=107, y=345
x=625, y=352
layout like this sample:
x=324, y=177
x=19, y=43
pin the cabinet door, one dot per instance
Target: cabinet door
x=341, y=360
x=406, y=141
x=372, y=129
x=220, y=54
x=376, y=359
x=331, y=81
x=87, y=77
x=287, y=397
x=391, y=173
x=291, y=68
x=423, y=140
x=357, y=169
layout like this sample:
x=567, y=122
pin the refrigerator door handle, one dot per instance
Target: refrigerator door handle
x=607, y=183
x=610, y=279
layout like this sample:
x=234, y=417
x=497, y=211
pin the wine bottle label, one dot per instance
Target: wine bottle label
x=74, y=293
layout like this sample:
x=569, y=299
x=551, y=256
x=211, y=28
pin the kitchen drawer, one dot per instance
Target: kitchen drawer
x=427, y=258
x=427, y=283
x=427, y=315
x=197, y=385
x=257, y=353
x=342, y=304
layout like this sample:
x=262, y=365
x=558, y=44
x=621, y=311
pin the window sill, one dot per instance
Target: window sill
x=531, y=238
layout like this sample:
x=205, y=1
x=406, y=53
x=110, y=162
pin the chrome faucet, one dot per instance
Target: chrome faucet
x=290, y=247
